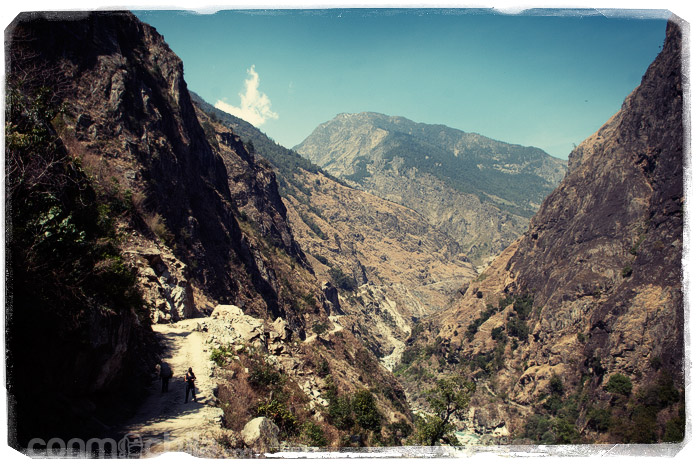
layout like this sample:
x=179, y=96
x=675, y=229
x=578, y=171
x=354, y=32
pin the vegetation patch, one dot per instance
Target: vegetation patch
x=448, y=400
x=476, y=324
x=262, y=391
x=342, y=280
x=316, y=229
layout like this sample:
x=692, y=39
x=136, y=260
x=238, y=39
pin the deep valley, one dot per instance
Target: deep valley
x=385, y=283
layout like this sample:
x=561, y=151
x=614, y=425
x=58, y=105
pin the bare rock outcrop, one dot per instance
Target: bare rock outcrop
x=261, y=434
x=164, y=285
x=238, y=327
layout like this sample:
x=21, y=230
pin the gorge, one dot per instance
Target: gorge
x=325, y=300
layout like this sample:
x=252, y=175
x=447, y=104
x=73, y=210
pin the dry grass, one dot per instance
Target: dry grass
x=237, y=399
x=138, y=199
x=156, y=224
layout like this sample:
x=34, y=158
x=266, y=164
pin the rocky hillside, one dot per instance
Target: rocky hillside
x=480, y=191
x=575, y=333
x=127, y=207
x=387, y=267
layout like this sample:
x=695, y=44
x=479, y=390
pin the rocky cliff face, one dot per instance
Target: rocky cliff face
x=578, y=326
x=478, y=190
x=184, y=217
x=131, y=121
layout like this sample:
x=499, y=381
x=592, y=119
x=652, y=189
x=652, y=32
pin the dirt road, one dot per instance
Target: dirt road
x=165, y=422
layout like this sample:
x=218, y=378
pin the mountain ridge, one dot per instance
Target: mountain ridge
x=480, y=191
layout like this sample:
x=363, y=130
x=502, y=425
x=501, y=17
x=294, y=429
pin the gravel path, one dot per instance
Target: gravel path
x=165, y=422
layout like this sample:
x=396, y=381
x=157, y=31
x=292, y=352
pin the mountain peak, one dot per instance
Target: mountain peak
x=378, y=153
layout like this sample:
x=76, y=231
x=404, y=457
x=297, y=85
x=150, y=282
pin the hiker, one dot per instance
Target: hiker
x=189, y=384
x=165, y=374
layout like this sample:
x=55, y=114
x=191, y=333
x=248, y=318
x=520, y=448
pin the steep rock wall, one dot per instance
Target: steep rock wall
x=592, y=293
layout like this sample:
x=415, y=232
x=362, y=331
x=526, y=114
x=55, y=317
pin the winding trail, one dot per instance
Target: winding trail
x=165, y=422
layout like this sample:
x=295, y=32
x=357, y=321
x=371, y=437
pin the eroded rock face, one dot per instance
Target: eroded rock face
x=132, y=121
x=164, y=285
x=254, y=190
x=402, y=267
x=604, y=251
x=601, y=260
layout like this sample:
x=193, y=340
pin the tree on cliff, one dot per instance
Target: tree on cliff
x=448, y=399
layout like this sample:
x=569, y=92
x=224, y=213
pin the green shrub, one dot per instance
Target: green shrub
x=398, y=430
x=596, y=366
x=313, y=226
x=156, y=224
x=264, y=375
x=675, y=429
x=599, y=419
x=537, y=428
x=340, y=412
x=643, y=428
x=619, y=384
x=366, y=412
x=497, y=333
x=523, y=306
x=518, y=329
x=220, y=355
x=342, y=280
x=553, y=404
x=556, y=385
x=410, y=354
x=319, y=327
x=210, y=133
x=281, y=415
x=313, y=435
x=339, y=406
x=449, y=398
x=483, y=317
x=566, y=432
x=323, y=368
x=662, y=393
x=635, y=247
x=504, y=302
x=627, y=271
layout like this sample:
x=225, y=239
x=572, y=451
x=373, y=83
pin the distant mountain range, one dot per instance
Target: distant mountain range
x=479, y=190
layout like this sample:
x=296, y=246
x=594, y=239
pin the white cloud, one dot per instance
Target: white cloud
x=255, y=105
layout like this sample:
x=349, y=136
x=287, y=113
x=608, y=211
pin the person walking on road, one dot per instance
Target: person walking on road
x=165, y=374
x=189, y=384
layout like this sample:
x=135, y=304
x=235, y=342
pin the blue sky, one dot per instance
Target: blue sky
x=546, y=81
